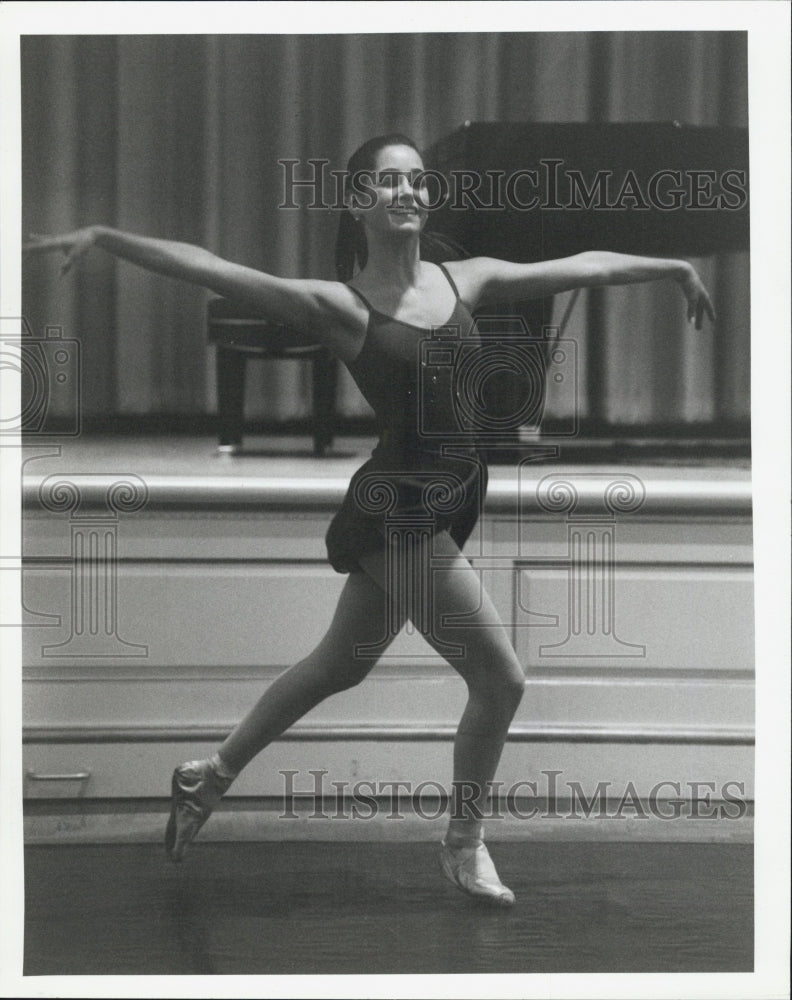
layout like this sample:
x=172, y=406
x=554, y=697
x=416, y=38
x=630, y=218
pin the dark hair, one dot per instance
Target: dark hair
x=351, y=247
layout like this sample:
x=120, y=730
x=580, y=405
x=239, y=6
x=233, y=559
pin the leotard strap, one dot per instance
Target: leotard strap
x=371, y=308
x=451, y=281
x=362, y=298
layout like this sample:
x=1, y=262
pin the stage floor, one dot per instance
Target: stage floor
x=321, y=908
x=373, y=908
x=291, y=456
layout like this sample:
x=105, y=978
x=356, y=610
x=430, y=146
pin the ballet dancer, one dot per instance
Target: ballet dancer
x=386, y=301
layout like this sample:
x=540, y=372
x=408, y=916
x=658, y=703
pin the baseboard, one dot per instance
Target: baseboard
x=59, y=823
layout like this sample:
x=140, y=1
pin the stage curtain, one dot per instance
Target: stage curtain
x=180, y=137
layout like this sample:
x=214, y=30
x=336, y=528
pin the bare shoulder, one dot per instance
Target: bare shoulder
x=488, y=280
x=338, y=317
x=336, y=302
x=473, y=276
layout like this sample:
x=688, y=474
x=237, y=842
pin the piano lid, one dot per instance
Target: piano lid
x=524, y=191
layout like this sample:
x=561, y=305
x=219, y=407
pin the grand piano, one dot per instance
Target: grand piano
x=528, y=192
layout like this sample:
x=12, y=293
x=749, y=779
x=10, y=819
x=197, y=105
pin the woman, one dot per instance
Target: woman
x=374, y=319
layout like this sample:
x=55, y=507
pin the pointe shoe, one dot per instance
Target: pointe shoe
x=196, y=789
x=471, y=870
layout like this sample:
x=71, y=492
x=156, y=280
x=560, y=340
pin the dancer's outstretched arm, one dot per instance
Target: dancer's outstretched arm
x=323, y=308
x=485, y=279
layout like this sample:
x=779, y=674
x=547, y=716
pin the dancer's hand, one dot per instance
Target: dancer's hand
x=74, y=245
x=698, y=300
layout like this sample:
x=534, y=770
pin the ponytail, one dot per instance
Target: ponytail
x=351, y=250
x=439, y=248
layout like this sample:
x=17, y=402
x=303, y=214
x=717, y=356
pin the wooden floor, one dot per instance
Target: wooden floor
x=318, y=908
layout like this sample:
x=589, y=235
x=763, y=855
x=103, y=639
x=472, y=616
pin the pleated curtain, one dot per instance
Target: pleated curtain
x=180, y=137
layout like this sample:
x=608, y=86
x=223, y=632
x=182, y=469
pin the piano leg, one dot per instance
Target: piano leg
x=230, y=397
x=325, y=380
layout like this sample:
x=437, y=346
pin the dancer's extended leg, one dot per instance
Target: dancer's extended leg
x=333, y=666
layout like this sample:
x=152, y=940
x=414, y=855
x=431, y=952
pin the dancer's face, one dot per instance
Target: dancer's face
x=391, y=202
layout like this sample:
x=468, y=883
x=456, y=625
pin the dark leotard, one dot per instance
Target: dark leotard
x=425, y=474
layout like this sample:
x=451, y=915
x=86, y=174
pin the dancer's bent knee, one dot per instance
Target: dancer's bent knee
x=502, y=693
